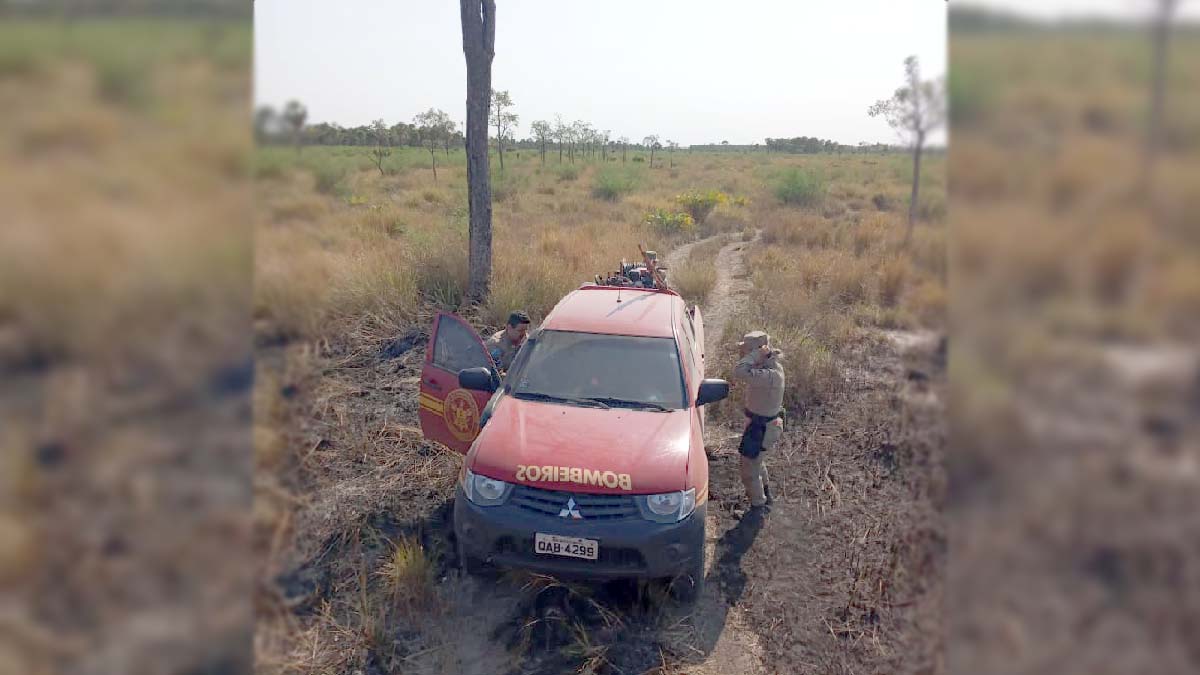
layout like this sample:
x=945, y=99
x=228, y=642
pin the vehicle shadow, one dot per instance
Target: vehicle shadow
x=723, y=588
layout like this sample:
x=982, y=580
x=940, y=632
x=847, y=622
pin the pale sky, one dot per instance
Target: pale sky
x=1058, y=9
x=692, y=71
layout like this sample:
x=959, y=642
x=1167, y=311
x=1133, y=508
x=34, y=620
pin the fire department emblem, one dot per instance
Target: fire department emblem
x=461, y=414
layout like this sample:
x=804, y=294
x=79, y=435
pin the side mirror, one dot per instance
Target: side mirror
x=711, y=391
x=478, y=379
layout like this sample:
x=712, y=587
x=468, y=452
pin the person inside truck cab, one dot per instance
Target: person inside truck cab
x=505, y=343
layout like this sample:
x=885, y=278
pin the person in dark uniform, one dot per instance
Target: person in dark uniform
x=505, y=343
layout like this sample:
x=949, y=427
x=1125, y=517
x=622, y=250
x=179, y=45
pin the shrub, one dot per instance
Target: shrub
x=695, y=280
x=893, y=274
x=505, y=185
x=847, y=282
x=812, y=373
x=268, y=166
x=329, y=177
x=884, y=202
x=612, y=183
x=567, y=172
x=700, y=204
x=639, y=159
x=800, y=188
x=929, y=301
x=122, y=78
x=667, y=222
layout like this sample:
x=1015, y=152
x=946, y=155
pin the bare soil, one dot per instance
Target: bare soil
x=841, y=575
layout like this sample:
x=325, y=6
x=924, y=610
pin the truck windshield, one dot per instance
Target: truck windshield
x=617, y=370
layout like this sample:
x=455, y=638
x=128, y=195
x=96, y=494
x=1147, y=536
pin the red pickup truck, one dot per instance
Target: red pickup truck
x=588, y=459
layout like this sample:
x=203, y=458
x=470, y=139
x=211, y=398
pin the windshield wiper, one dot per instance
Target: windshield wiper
x=631, y=404
x=539, y=396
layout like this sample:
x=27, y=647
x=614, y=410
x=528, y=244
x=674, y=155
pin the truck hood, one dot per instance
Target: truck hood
x=565, y=447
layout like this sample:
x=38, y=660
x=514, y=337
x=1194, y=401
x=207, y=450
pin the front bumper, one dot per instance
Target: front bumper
x=634, y=548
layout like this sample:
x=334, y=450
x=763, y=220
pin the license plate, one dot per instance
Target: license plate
x=573, y=547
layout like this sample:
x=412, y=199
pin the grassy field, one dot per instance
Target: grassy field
x=339, y=241
x=125, y=269
x=1076, y=293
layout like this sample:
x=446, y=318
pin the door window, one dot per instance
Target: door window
x=457, y=347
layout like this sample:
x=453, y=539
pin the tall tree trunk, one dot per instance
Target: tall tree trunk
x=651, y=158
x=916, y=188
x=433, y=158
x=560, y=150
x=622, y=153
x=543, y=152
x=479, y=47
x=1154, y=128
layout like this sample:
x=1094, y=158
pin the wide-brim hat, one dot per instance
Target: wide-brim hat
x=755, y=339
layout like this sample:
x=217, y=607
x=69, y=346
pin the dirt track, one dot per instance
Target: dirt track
x=787, y=592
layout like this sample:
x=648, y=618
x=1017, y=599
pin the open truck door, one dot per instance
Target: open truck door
x=448, y=413
x=698, y=329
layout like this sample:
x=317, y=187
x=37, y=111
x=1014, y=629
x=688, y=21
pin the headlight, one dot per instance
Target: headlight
x=484, y=491
x=668, y=507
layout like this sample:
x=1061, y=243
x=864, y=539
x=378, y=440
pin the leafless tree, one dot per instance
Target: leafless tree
x=624, y=140
x=381, y=151
x=450, y=130
x=542, y=131
x=433, y=125
x=479, y=48
x=504, y=120
x=914, y=110
x=653, y=143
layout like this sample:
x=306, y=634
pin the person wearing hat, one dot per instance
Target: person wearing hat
x=762, y=374
x=505, y=343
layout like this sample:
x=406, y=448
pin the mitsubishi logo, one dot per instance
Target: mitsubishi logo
x=570, y=511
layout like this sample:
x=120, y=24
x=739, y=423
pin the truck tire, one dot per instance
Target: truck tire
x=470, y=565
x=688, y=586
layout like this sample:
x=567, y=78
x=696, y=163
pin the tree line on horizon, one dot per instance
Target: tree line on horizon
x=569, y=140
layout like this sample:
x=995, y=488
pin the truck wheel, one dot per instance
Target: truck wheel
x=469, y=564
x=689, y=585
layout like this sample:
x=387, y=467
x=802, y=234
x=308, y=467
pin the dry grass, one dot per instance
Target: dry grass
x=1061, y=269
x=697, y=277
x=124, y=261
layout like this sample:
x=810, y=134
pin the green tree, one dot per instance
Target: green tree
x=294, y=114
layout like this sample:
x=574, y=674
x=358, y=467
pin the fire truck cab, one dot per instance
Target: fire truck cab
x=587, y=459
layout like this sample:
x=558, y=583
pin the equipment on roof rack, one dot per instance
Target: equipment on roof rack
x=647, y=273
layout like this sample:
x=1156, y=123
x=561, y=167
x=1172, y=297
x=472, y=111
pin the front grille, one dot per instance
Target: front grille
x=590, y=507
